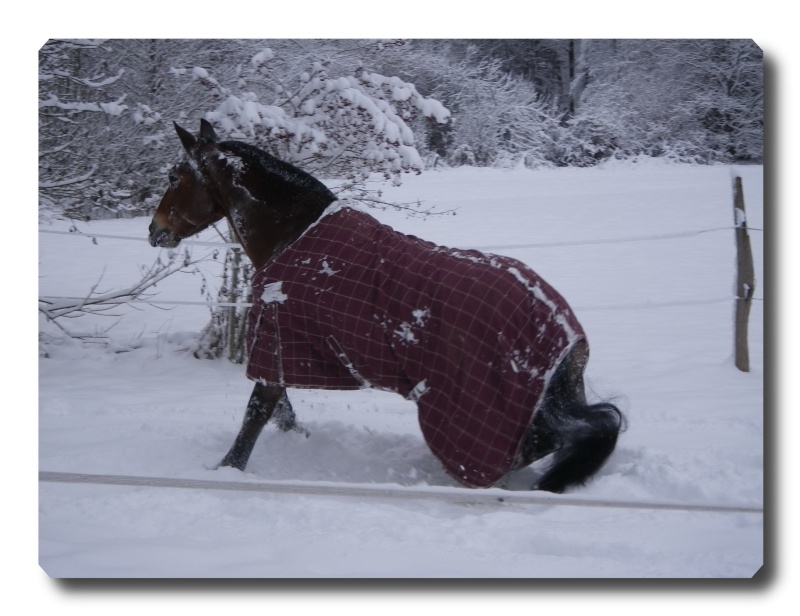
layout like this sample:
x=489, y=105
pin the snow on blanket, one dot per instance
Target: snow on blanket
x=472, y=338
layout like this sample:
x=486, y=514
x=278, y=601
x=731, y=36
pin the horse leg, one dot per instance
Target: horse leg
x=580, y=436
x=265, y=402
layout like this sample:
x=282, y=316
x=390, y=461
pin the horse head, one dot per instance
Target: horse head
x=188, y=206
x=268, y=202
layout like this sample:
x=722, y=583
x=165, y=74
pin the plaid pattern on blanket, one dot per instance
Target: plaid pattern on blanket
x=472, y=338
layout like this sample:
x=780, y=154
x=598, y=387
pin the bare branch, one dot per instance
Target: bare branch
x=94, y=303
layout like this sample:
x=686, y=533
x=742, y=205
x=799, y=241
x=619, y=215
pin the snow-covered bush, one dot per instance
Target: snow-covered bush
x=343, y=125
x=585, y=142
x=499, y=119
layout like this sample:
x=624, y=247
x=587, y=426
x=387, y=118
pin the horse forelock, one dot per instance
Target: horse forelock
x=188, y=162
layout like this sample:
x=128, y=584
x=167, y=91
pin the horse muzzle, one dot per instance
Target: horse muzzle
x=162, y=238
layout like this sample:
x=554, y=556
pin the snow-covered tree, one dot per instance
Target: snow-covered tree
x=498, y=117
x=74, y=108
x=695, y=101
x=728, y=102
x=145, y=141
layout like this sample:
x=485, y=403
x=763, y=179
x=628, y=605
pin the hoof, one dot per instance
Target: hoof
x=231, y=463
x=301, y=429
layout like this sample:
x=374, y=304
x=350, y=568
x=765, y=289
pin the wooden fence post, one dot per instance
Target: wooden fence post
x=745, y=277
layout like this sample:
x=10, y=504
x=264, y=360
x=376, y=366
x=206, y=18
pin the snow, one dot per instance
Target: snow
x=262, y=57
x=421, y=316
x=405, y=333
x=114, y=108
x=327, y=270
x=273, y=293
x=658, y=311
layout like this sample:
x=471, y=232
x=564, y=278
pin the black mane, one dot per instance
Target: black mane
x=276, y=175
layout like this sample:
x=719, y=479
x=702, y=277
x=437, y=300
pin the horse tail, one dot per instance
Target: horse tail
x=588, y=435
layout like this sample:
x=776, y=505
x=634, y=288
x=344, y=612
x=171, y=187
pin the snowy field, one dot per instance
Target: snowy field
x=645, y=255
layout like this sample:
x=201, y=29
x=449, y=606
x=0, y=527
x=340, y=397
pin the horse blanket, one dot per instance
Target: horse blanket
x=472, y=338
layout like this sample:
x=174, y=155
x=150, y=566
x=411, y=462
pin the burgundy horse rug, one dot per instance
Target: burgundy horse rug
x=472, y=338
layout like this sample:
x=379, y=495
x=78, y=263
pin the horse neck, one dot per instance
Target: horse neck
x=265, y=230
x=268, y=203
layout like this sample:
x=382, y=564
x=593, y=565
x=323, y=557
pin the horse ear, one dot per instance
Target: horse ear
x=207, y=133
x=187, y=139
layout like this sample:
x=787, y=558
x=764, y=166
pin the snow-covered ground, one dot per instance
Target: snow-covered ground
x=645, y=255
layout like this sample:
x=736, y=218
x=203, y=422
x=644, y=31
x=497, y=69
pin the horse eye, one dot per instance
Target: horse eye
x=173, y=178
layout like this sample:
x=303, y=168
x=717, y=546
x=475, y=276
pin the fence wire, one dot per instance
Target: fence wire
x=647, y=305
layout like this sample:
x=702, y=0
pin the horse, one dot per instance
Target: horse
x=491, y=354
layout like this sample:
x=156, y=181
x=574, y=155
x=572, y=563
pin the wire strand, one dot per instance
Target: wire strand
x=618, y=240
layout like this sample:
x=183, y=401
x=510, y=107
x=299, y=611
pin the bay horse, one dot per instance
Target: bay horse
x=492, y=355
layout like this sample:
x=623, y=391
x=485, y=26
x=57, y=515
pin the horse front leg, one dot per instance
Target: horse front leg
x=264, y=402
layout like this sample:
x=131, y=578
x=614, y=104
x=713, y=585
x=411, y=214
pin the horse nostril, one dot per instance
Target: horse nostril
x=163, y=238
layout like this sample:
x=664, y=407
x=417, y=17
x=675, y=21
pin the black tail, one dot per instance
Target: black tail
x=587, y=435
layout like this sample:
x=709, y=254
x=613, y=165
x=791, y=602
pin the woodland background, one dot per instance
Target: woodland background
x=357, y=110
